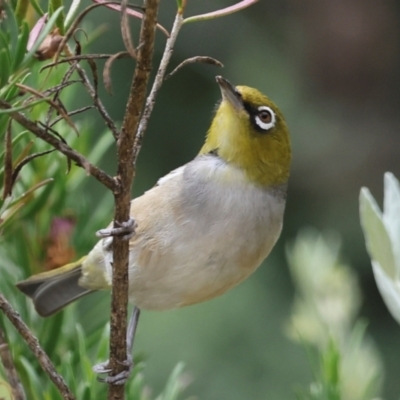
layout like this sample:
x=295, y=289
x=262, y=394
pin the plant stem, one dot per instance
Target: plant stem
x=169, y=48
x=34, y=346
x=126, y=173
x=62, y=147
x=9, y=367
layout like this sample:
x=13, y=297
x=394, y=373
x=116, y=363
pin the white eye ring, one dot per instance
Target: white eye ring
x=265, y=125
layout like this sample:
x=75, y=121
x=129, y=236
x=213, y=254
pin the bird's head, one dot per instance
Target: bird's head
x=250, y=132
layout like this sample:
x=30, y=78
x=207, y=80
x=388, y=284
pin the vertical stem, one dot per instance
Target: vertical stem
x=169, y=48
x=126, y=173
x=35, y=348
x=9, y=367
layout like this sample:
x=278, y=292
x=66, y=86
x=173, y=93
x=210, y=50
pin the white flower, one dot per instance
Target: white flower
x=382, y=237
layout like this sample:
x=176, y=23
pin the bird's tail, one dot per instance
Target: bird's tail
x=53, y=290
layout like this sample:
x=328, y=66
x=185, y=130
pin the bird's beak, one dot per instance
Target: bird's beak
x=230, y=93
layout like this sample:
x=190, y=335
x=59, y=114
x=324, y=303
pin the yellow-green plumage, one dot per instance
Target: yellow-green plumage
x=265, y=158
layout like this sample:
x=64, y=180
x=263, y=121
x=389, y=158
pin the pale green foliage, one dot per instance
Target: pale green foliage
x=382, y=237
x=345, y=363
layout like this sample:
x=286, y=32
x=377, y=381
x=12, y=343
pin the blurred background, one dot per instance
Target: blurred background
x=333, y=69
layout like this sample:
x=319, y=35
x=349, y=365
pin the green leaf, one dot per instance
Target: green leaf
x=21, y=10
x=11, y=90
x=73, y=10
x=37, y=7
x=21, y=46
x=24, y=106
x=52, y=333
x=5, y=66
x=31, y=378
x=13, y=25
x=174, y=385
x=56, y=5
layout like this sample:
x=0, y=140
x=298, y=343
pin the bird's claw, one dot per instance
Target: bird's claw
x=118, y=379
x=125, y=229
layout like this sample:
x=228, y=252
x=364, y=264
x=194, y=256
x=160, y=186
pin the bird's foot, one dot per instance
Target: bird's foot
x=125, y=229
x=120, y=378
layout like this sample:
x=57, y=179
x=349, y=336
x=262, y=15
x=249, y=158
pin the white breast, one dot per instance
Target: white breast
x=204, y=229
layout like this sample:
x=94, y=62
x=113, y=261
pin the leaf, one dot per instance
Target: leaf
x=25, y=161
x=377, y=240
x=130, y=12
x=5, y=391
x=37, y=7
x=4, y=66
x=21, y=46
x=175, y=384
x=73, y=10
x=221, y=13
x=21, y=10
x=7, y=185
x=56, y=5
x=24, y=106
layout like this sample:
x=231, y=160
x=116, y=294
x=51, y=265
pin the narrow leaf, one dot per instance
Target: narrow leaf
x=21, y=46
x=221, y=13
x=23, y=106
x=73, y=10
x=56, y=5
x=7, y=163
x=197, y=59
x=125, y=31
x=21, y=10
x=25, y=161
x=107, y=70
x=4, y=66
x=37, y=7
x=131, y=12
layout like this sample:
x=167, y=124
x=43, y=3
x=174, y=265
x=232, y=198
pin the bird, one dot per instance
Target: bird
x=204, y=227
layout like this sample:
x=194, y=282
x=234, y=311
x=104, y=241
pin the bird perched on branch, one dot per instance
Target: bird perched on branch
x=204, y=227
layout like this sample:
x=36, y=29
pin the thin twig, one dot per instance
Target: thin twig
x=73, y=155
x=78, y=19
x=58, y=106
x=7, y=178
x=82, y=57
x=34, y=346
x=78, y=111
x=97, y=102
x=9, y=367
x=64, y=81
x=126, y=173
x=169, y=48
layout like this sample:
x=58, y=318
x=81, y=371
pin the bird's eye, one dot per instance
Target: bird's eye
x=265, y=118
